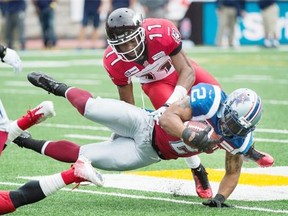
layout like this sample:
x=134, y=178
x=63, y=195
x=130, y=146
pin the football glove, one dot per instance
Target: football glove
x=158, y=113
x=200, y=140
x=12, y=58
x=216, y=202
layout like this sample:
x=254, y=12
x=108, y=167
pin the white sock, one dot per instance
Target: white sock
x=14, y=131
x=51, y=184
x=193, y=162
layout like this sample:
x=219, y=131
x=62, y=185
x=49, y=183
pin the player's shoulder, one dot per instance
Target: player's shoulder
x=158, y=25
x=207, y=88
x=110, y=58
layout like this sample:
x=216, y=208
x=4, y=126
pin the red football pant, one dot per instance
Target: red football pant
x=159, y=92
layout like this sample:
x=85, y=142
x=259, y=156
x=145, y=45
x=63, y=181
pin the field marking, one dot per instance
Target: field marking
x=179, y=182
x=154, y=198
x=249, y=176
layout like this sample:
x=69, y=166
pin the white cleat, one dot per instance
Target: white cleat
x=43, y=111
x=86, y=172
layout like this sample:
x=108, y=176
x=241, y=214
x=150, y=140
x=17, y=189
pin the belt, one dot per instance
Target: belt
x=155, y=147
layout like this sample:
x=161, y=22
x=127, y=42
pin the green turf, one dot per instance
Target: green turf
x=265, y=71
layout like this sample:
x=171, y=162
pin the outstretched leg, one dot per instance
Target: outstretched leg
x=10, y=130
x=61, y=150
x=35, y=191
x=77, y=97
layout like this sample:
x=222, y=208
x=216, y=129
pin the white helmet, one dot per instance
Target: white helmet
x=240, y=113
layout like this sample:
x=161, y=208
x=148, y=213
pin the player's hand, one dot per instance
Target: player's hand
x=158, y=113
x=216, y=202
x=12, y=58
x=199, y=139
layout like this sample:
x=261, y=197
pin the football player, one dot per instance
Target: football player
x=10, y=57
x=142, y=142
x=151, y=50
x=9, y=130
x=36, y=190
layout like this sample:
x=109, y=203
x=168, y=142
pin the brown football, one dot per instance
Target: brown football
x=201, y=125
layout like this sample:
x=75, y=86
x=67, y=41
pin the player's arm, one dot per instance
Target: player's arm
x=172, y=119
x=126, y=93
x=233, y=164
x=186, y=76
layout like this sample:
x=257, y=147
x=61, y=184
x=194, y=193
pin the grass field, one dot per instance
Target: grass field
x=265, y=71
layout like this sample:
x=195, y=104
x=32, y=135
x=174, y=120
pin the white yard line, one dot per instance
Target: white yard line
x=179, y=187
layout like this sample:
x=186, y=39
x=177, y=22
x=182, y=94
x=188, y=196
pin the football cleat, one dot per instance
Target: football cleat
x=45, y=82
x=22, y=139
x=83, y=171
x=203, y=188
x=40, y=113
x=261, y=158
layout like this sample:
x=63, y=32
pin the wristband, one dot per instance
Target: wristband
x=220, y=198
x=178, y=93
x=187, y=132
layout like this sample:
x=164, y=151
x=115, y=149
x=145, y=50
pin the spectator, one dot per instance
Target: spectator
x=228, y=11
x=115, y=4
x=91, y=15
x=45, y=11
x=270, y=15
x=14, y=15
x=154, y=9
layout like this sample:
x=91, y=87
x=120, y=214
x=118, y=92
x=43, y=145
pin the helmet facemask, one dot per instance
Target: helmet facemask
x=231, y=125
x=137, y=37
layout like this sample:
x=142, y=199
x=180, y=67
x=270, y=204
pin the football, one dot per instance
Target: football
x=201, y=125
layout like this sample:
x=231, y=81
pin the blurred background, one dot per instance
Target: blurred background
x=198, y=21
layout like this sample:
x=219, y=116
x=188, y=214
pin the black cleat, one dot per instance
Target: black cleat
x=203, y=188
x=261, y=158
x=22, y=139
x=47, y=83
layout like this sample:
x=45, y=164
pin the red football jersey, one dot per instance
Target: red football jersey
x=172, y=147
x=162, y=38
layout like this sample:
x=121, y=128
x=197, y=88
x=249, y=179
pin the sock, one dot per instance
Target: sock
x=14, y=131
x=193, y=162
x=30, y=192
x=78, y=98
x=29, y=143
x=6, y=204
x=51, y=184
x=61, y=90
x=3, y=139
x=62, y=150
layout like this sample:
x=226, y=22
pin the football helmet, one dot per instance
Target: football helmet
x=240, y=113
x=124, y=26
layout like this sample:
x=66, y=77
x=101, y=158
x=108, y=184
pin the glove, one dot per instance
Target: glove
x=13, y=59
x=216, y=202
x=158, y=113
x=200, y=139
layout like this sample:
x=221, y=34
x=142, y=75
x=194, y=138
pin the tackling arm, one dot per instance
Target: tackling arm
x=172, y=119
x=126, y=93
x=186, y=77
